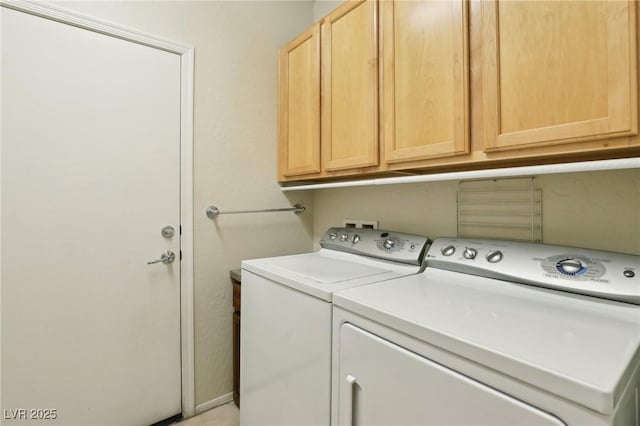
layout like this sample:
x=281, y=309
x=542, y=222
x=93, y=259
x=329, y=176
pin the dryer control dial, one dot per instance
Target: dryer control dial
x=574, y=267
x=494, y=256
x=571, y=266
x=470, y=253
x=448, y=250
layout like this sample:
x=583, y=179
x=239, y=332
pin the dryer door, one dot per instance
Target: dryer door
x=391, y=385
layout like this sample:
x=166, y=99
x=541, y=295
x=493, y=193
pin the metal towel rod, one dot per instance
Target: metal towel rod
x=213, y=211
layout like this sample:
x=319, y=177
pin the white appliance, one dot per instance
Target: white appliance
x=285, y=359
x=492, y=333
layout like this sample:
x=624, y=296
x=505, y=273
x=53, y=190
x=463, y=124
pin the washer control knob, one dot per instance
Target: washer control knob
x=629, y=273
x=344, y=237
x=494, y=256
x=570, y=266
x=389, y=244
x=470, y=253
x=355, y=239
x=333, y=235
x=448, y=250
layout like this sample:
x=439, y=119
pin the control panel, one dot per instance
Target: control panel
x=387, y=245
x=596, y=273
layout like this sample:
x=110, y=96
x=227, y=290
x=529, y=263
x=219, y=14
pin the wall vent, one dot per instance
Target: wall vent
x=508, y=209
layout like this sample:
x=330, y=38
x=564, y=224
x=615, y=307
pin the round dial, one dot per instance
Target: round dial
x=470, y=253
x=389, y=243
x=448, y=250
x=344, y=237
x=571, y=266
x=355, y=238
x=333, y=236
x=494, y=256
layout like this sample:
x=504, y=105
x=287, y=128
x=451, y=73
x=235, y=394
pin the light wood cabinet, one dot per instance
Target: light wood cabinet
x=413, y=86
x=299, y=115
x=350, y=87
x=425, y=84
x=555, y=72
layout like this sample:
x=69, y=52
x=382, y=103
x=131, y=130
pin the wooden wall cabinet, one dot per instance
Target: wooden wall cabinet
x=425, y=84
x=350, y=86
x=299, y=113
x=412, y=86
x=555, y=72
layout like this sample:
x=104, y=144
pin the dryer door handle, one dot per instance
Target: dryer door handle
x=348, y=409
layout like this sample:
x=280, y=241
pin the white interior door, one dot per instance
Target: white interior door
x=90, y=175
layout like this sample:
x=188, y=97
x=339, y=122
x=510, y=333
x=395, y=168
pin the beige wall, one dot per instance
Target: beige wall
x=599, y=210
x=321, y=8
x=236, y=69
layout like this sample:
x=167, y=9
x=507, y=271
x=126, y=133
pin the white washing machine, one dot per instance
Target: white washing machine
x=285, y=336
x=492, y=333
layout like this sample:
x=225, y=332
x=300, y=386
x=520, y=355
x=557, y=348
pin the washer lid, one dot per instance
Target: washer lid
x=581, y=348
x=323, y=272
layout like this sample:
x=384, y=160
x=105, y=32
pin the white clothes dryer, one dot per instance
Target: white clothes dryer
x=492, y=333
x=285, y=336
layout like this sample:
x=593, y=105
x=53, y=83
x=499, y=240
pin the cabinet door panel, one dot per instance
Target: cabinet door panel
x=425, y=92
x=349, y=87
x=556, y=72
x=300, y=105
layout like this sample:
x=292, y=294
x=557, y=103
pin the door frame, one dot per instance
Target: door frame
x=186, y=54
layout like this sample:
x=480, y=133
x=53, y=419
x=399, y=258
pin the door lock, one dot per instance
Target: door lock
x=168, y=231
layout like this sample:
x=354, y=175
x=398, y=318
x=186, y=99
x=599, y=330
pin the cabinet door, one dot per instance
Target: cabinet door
x=557, y=72
x=425, y=89
x=384, y=384
x=350, y=87
x=299, y=128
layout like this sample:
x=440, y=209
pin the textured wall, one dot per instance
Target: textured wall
x=599, y=210
x=235, y=142
x=321, y=8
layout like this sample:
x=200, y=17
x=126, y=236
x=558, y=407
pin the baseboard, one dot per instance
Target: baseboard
x=201, y=408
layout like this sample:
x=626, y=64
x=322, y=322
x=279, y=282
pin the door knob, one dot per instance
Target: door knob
x=166, y=258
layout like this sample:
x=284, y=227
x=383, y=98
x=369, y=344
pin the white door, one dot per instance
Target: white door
x=384, y=384
x=90, y=151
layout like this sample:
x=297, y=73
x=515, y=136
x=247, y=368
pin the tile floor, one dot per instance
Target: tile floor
x=224, y=415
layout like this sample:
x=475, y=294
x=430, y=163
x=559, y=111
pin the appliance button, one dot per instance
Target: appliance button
x=629, y=273
x=470, y=253
x=384, y=234
x=494, y=256
x=412, y=247
x=355, y=239
x=344, y=237
x=448, y=250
